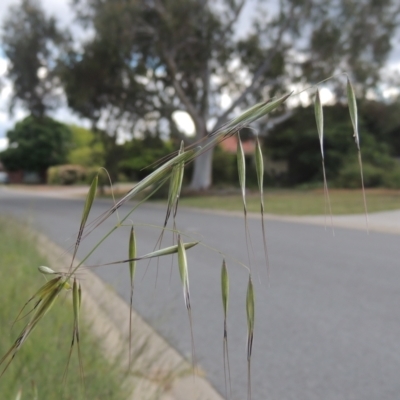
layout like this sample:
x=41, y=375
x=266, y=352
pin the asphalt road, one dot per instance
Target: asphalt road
x=327, y=323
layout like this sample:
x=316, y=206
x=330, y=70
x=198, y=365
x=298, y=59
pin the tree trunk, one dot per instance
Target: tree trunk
x=202, y=171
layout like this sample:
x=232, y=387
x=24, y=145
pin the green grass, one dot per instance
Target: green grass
x=301, y=202
x=43, y=357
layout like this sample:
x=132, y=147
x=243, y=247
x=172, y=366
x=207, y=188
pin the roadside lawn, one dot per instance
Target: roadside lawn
x=277, y=201
x=301, y=202
x=41, y=361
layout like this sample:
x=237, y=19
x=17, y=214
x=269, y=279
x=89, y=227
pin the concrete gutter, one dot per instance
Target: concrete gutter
x=158, y=370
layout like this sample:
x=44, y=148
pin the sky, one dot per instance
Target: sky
x=63, y=14
x=60, y=10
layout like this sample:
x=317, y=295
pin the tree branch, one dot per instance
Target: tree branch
x=260, y=71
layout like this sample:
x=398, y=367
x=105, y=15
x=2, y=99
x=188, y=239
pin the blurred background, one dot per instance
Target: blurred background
x=119, y=83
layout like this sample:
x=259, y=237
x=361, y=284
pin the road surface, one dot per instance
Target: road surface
x=327, y=323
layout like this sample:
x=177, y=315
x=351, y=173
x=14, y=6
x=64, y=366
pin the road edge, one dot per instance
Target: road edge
x=108, y=317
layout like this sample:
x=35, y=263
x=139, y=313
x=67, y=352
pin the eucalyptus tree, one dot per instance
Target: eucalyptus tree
x=101, y=88
x=32, y=43
x=210, y=59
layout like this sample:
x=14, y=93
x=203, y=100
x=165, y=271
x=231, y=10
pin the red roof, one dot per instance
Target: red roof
x=230, y=145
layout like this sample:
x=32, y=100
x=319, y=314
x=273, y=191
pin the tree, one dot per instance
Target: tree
x=296, y=142
x=100, y=88
x=31, y=42
x=85, y=150
x=191, y=56
x=139, y=154
x=36, y=144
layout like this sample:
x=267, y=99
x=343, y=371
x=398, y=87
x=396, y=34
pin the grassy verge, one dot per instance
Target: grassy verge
x=43, y=357
x=301, y=202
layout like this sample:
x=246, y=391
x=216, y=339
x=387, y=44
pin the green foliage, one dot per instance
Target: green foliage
x=224, y=171
x=138, y=155
x=31, y=42
x=383, y=121
x=383, y=173
x=35, y=144
x=296, y=140
x=86, y=149
x=147, y=60
x=349, y=175
x=391, y=178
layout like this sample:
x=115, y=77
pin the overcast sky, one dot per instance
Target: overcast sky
x=63, y=14
x=58, y=9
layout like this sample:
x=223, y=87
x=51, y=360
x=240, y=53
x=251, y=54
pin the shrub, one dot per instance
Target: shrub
x=295, y=141
x=224, y=169
x=67, y=174
x=391, y=178
x=349, y=176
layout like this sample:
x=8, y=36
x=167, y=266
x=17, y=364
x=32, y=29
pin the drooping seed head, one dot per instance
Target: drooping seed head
x=352, y=103
x=259, y=165
x=250, y=306
x=132, y=255
x=46, y=270
x=241, y=162
x=168, y=250
x=225, y=288
x=319, y=118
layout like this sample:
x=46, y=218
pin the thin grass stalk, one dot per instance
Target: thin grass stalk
x=77, y=301
x=225, y=303
x=352, y=103
x=132, y=269
x=319, y=118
